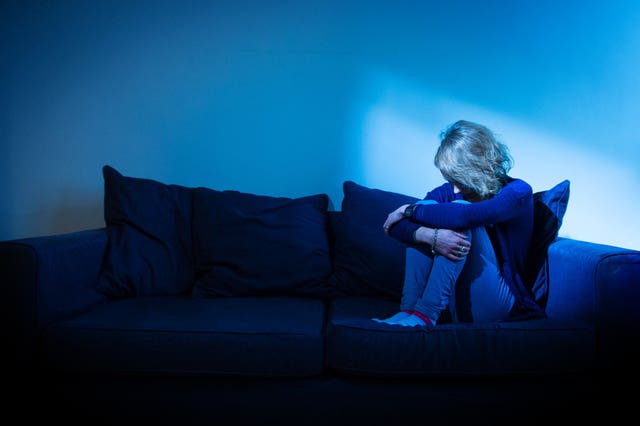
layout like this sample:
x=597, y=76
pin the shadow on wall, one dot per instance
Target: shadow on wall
x=77, y=213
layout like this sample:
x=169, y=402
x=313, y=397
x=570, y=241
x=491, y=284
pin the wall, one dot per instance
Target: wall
x=292, y=98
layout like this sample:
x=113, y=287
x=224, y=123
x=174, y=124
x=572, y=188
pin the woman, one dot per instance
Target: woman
x=468, y=240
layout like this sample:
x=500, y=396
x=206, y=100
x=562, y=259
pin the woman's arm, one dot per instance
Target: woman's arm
x=449, y=243
x=394, y=217
x=510, y=202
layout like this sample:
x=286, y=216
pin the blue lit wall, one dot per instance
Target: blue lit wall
x=293, y=98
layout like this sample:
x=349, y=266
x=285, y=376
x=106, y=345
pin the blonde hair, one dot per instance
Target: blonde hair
x=470, y=157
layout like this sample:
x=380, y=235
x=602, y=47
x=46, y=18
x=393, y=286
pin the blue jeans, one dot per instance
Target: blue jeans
x=472, y=288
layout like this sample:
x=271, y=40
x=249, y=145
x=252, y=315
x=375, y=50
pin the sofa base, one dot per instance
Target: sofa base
x=329, y=399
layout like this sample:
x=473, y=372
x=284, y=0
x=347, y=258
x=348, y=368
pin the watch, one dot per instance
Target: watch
x=408, y=212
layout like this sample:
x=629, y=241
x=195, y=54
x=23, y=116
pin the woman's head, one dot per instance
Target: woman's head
x=471, y=158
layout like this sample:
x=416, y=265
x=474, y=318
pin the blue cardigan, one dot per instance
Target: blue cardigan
x=508, y=218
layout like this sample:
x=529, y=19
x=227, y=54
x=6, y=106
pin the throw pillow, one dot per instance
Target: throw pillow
x=549, y=208
x=367, y=262
x=149, y=237
x=254, y=245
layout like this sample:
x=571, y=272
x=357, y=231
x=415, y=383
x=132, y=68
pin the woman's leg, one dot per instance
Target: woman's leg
x=417, y=268
x=416, y=273
x=473, y=288
x=439, y=287
x=481, y=294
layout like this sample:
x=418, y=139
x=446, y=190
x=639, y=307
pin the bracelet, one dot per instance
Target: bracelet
x=435, y=241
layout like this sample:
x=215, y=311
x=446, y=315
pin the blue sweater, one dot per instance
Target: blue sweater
x=508, y=218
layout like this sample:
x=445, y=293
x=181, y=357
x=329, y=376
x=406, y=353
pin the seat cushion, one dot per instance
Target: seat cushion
x=183, y=335
x=356, y=344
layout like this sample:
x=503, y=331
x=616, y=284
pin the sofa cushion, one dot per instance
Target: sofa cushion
x=149, y=250
x=549, y=208
x=367, y=262
x=358, y=345
x=257, y=245
x=183, y=335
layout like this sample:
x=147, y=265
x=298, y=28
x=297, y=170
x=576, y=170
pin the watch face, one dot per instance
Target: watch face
x=408, y=212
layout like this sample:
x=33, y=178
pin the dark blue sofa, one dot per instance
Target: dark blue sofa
x=296, y=353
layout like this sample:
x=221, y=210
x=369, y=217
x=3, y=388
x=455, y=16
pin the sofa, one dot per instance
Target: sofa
x=198, y=306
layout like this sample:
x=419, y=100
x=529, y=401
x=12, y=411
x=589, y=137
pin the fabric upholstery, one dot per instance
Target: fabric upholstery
x=182, y=335
x=149, y=249
x=549, y=208
x=46, y=279
x=358, y=345
x=250, y=245
x=367, y=261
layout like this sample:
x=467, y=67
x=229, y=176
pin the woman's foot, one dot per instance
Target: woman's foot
x=417, y=318
x=411, y=321
x=395, y=318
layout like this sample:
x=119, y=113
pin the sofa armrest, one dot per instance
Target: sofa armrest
x=599, y=284
x=45, y=279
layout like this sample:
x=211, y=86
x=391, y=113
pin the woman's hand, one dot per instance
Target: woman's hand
x=393, y=218
x=452, y=245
